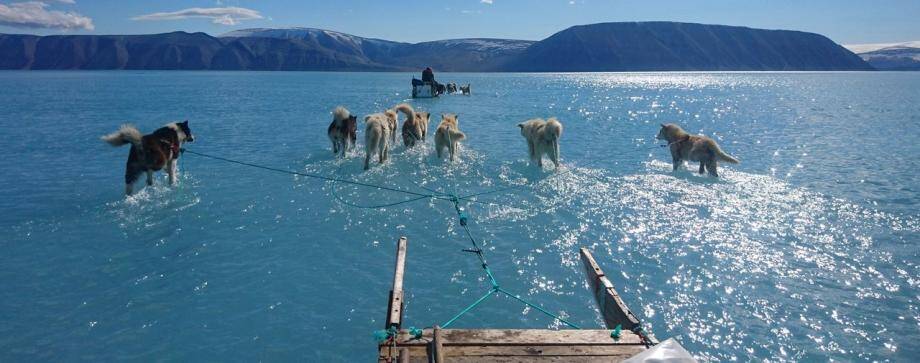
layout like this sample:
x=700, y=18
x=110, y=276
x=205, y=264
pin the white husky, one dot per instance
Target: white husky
x=380, y=132
x=542, y=138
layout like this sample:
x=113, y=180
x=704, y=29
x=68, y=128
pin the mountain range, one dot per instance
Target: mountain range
x=891, y=56
x=625, y=46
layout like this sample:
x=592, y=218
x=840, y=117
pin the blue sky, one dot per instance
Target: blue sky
x=844, y=21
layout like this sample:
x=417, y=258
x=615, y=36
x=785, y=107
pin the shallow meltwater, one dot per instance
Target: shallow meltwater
x=805, y=251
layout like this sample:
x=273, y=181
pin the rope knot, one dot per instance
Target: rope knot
x=416, y=333
x=616, y=333
x=384, y=335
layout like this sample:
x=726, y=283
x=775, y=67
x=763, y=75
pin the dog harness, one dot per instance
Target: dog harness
x=173, y=147
x=677, y=142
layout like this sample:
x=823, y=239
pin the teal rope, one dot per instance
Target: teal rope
x=429, y=189
x=376, y=206
x=384, y=335
x=617, y=332
x=468, y=308
x=336, y=195
x=420, y=196
x=309, y=175
x=453, y=198
x=554, y=316
x=496, y=288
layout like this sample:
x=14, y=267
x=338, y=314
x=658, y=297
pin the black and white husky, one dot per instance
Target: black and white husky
x=343, y=131
x=152, y=152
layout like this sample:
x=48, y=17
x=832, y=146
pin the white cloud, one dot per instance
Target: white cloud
x=225, y=16
x=35, y=14
x=486, y=2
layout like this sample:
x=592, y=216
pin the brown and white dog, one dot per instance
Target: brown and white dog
x=448, y=135
x=152, y=152
x=685, y=146
x=343, y=131
x=542, y=138
x=415, y=128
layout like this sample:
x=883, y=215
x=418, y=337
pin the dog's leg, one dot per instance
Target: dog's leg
x=171, y=170
x=676, y=161
x=132, y=171
x=556, y=154
x=372, y=144
x=149, y=177
x=530, y=150
x=702, y=167
x=712, y=168
x=452, y=147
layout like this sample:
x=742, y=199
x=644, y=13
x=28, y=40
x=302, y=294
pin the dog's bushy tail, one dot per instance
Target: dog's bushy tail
x=406, y=110
x=725, y=157
x=456, y=135
x=126, y=134
x=340, y=113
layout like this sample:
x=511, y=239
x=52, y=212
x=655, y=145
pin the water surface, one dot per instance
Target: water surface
x=806, y=250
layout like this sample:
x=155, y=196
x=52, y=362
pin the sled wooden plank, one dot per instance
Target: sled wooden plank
x=613, y=309
x=395, y=306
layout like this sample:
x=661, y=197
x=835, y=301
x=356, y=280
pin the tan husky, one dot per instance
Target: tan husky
x=415, y=128
x=448, y=135
x=693, y=148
